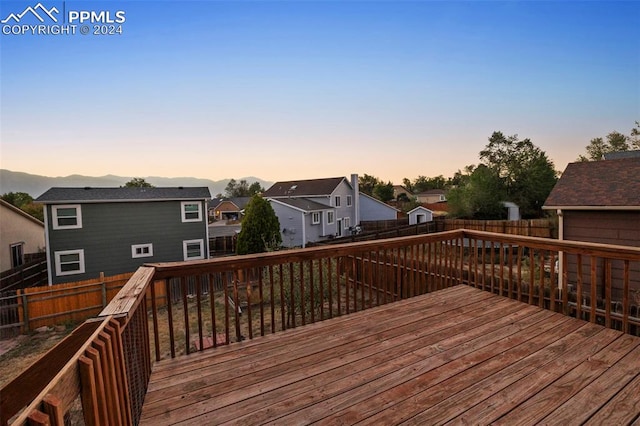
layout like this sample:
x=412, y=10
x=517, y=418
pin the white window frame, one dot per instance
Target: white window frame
x=183, y=209
x=58, y=262
x=347, y=222
x=330, y=217
x=337, y=201
x=316, y=217
x=78, y=216
x=185, y=245
x=140, y=247
x=349, y=201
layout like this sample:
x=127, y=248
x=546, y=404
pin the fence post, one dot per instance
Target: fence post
x=25, y=311
x=103, y=286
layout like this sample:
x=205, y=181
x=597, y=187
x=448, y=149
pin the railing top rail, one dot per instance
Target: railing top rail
x=170, y=269
x=597, y=249
x=55, y=373
x=129, y=296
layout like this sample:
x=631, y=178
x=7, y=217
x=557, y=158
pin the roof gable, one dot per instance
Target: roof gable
x=606, y=183
x=382, y=203
x=305, y=188
x=19, y=212
x=420, y=208
x=122, y=194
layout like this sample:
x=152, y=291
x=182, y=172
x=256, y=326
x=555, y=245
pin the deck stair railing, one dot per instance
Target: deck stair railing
x=229, y=299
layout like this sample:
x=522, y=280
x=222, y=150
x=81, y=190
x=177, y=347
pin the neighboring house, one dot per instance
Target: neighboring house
x=431, y=196
x=599, y=202
x=20, y=233
x=115, y=230
x=399, y=190
x=319, y=209
x=374, y=209
x=420, y=215
x=228, y=209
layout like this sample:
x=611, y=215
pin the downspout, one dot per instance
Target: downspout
x=304, y=231
x=560, y=253
x=206, y=227
x=47, y=245
x=356, y=198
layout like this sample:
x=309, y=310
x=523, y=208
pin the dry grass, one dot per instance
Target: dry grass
x=27, y=349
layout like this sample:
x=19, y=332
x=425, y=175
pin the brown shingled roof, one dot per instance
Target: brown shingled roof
x=608, y=183
x=303, y=188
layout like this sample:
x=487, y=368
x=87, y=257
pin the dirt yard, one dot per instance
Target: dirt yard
x=18, y=353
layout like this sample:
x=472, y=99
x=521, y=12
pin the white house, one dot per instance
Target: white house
x=319, y=209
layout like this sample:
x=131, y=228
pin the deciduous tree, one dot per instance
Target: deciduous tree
x=366, y=183
x=383, y=191
x=138, y=183
x=242, y=188
x=511, y=170
x=24, y=202
x=614, y=142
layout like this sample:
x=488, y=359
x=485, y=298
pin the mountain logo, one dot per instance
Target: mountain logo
x=38, y=11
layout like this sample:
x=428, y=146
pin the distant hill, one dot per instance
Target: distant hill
x=36, y=185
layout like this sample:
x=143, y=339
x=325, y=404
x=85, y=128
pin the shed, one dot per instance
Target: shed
x=420, y=215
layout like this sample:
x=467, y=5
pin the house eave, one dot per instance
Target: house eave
x=601, y=208
x=103, y=201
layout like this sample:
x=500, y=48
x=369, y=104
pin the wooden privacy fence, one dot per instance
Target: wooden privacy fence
x=69, y=302
x=28, y=309
x=543, y=228
x=36, y=307
x=32, y=273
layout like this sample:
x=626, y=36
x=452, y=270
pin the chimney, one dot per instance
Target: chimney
x=356, y=198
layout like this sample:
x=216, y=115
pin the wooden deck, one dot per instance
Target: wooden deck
x=458, y=355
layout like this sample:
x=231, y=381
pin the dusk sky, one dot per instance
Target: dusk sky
x=289, y=90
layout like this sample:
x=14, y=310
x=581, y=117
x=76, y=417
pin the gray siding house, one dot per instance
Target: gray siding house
x=115, y=230
x=319, y=209
x=373, y=209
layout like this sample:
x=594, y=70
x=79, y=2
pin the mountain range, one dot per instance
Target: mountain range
x=36, y=185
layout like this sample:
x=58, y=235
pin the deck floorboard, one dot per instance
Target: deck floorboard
x=459, y=356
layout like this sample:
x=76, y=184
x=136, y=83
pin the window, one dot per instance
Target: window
x=191, y=211
x=347, y=222
x=315, y=218
x=69, y=262
x=17, y=254
x=330, y=217
x=349, y=201
x=193, y=249
x=142, y=250
x=67, y=216
x=337, y=201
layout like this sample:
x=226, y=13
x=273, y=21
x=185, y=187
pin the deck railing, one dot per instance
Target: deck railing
x=225, y=300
